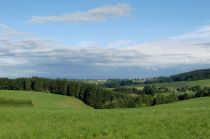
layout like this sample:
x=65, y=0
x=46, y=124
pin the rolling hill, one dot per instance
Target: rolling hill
x=55, y=116
x=201, y=74
x=176, y=84
x=45, y=100
x=192, y=75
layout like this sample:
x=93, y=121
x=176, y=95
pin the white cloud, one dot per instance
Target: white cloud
x=48, y=57
x=201, y=34
x=6, y=32
x=12, y=61
x=97, y=14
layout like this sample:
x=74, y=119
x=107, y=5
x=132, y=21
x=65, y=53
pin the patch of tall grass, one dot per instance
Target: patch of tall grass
x=15, y=102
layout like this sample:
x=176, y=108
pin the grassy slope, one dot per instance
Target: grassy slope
x=186, y=119
x=45, y=100
x=174, y=85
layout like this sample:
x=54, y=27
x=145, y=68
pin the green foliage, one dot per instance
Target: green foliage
x=159, y=80
x=128, y=90
x=186, y=76
x=183, y=89
x=116, y=83
x=178, y=84
x=196, y=88
x=150, y=90
x=98, y=97
x=193, y=75
x=184, y=96
x=163, y=99
x=91, y=94
x=144, y=100
x=204, y=92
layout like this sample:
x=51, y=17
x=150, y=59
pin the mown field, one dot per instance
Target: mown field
x=62, y=117
x=175, y=85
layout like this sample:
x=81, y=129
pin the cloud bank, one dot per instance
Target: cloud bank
x=97, y=14
x=46, y=57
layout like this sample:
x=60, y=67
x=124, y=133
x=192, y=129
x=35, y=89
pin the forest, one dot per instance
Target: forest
x=200, y=74
x=99, y=97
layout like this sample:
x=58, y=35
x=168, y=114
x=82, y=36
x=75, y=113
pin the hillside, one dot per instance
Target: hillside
x=192, y=75
x=200, y=74
x=177, y=84
x=50, y=120
x=45, y=100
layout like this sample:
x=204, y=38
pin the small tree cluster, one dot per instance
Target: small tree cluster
x=150, y=90
x=128, y=90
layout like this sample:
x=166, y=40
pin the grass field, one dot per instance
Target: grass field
x=61, y=117
x=175, y=85
x=45, y=100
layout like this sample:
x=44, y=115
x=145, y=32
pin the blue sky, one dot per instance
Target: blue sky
x=103, y=39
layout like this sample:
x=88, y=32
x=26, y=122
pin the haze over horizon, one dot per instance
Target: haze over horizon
x=103, y=39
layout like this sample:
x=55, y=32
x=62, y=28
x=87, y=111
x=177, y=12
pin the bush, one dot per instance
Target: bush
x=183, y=89
x=163, y=89
x=184, y=96
x=149, y=90
x=204, y=92
x=162, y=99
x=196, y=88
x=144, y=100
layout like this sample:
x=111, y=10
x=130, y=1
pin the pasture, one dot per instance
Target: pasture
x=62, y=117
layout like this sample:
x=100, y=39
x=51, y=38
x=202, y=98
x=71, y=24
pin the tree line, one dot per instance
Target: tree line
x=99, y=97
x=90, y=94
x=186, y=76
x=115, y=83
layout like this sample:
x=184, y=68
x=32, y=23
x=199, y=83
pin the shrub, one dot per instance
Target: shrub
x=184, y=96
x=162, y=99
x=144, y=100
x=149, y=90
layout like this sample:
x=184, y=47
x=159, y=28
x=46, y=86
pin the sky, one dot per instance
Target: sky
x=103, y=39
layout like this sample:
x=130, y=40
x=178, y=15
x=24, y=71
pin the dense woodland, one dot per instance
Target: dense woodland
x=115, y=83
x=187, y=76
x=99, y=97
x=193, y=75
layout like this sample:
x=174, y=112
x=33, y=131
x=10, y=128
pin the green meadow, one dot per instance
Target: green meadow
x=175, y=85
x=62, y=117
